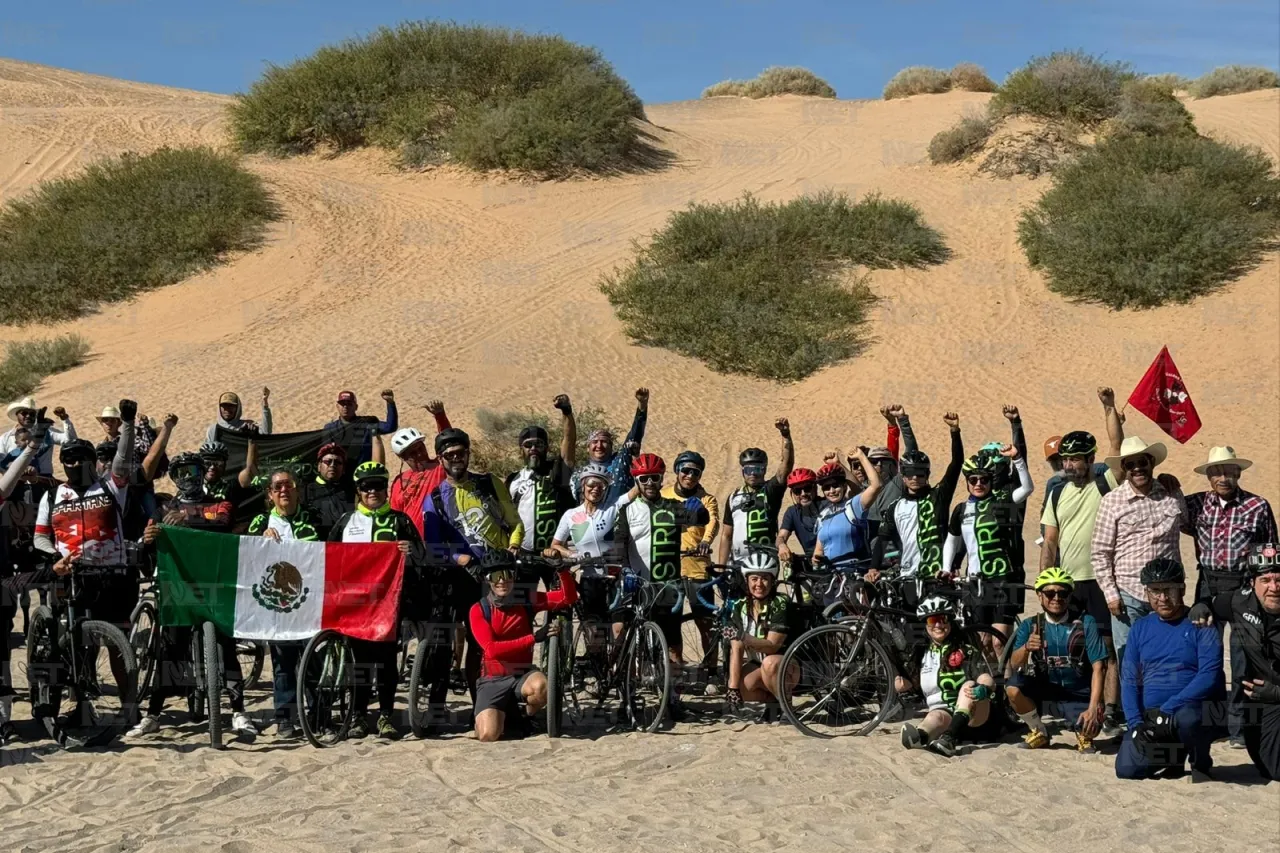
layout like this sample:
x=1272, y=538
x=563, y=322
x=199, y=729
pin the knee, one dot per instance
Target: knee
x=1187, y=718
x=986, y=680
x=487, y=734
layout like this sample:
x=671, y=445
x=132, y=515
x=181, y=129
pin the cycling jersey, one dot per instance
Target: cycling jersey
x=651, y=534
x=943, y=670
x=1070, y=651
x=328, y=500
x=987, y=530
x=505, y=634
x=246, y=501
x=541, y=497
x=752, y=515
x=842, y=529
x=592, y=534
x=696, y=534
x=474, y=515
x=300, y=526
x=88, y=525
x=772, y=617
x=211, y=514
x=803, y=522
x=374, y=525
x=410, y=490
x=915, y=523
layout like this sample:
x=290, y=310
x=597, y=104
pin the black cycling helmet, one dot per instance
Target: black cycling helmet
x=1078, y=443
x=689, y=457
x=1163, y=570
x=106, y=450
x=186, y=458
x=914, y=461
x=753, y=456
x=533, y=431
x=77, y=451
x=214, y=450
x=451, y=438
x=1264, y=559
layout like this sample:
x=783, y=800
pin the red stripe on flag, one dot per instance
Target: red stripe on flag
x=362, y=589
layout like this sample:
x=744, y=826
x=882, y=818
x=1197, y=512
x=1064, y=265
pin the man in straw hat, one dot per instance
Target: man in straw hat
x=23, y=414
x=1137, y=522
x=1226, y=522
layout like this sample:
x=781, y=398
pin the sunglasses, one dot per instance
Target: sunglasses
x=1056, y=594
x=594, y=483
x=1136, y=464
x=454, y=455
x=534, y=444
x=280, y=488
x=752, y=470
x=800, y=490
x=828, y=485
x=649, y=479
x=979, y=480
x=331, y=461
x=690, y=472
x=937, y=619
x=371, y=486
x=500, y=575
x=914, y=472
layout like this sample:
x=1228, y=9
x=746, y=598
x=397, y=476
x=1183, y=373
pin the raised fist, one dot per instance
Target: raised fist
x=128, y=410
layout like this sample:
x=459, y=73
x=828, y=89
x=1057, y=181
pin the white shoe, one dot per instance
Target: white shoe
x=147, y=726
x=241, y=724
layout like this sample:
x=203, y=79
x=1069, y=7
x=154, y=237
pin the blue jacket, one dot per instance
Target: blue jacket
x=1169, y=665
x=391, y=424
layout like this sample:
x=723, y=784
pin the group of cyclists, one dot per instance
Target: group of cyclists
x=485, y=554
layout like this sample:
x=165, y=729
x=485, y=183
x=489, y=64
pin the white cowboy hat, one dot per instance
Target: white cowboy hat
x=18, y=405
x=1134, y=446
x=109, y=412
x=1224, y=455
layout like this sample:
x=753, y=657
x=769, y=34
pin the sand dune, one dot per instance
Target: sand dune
x=483, y=292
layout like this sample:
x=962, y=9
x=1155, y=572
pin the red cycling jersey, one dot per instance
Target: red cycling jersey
x=506, y=639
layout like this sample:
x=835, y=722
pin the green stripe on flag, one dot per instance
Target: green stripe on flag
x=196, y=578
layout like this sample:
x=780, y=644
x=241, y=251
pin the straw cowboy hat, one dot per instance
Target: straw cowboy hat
x=1224, y=455
x=1134, y=446
x=18, y=405
x=109, y=412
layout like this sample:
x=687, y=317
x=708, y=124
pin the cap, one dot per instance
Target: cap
x=1051, y=446
x=346, y=396
x=879, y=453
x=229, y=398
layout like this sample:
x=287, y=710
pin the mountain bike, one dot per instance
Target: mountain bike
x=81, y=672
x=144, y=637
x=326, y=688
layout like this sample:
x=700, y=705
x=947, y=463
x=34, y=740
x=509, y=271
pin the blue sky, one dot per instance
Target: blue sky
x=668, y=50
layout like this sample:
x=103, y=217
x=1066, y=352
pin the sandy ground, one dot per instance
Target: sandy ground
x=488, y=288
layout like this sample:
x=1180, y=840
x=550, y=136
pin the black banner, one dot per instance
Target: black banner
x=294, y=450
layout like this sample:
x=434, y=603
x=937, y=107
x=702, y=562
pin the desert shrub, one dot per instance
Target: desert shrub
x=917, y=80
x=775, y=80
x=1149, y=108
x=1066, y=85
x=426, y=88
x=497, y=449
x=1172, y=82
x=956, y=143
x=1233, y=79
x=1032, y=153
x=970, y=77
x=1143, y=221
x=125, y=225
x=756, y=288
x=27, y=363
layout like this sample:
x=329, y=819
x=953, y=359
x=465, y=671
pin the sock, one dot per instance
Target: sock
x=1033, y=721
x=959, y=722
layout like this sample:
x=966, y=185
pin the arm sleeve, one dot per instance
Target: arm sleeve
x=1025, y=486
x=1268, y=531
x=264, y=425
x=908, y=434
x=1103, y=549
x=392, y=423
x=493, y=648
x=637, y=427
x=1130, y=689
x=1019, y=438
x=562, y=598
x=122, y=465
x=892, y=440
x=953, y=546
x=947, y=488
x=67, y=433
x=1048, y=516
x=1208, y=672
x=442, y=422
x=14, y=473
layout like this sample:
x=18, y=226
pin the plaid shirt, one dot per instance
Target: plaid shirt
x=1226, y=530
x=1131, y=530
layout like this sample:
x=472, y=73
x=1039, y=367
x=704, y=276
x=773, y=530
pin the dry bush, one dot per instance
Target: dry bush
x=917, y=80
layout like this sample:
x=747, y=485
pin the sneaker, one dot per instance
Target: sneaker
x=359, y=729
x=1084, y=744
x=457, y=681
x=285, y=729
x=387, y=729
x=148, y=726
x=242, y=725
x=911, y=737
x=1237, y=742
x=1112, y=727
x=944, y=744
x=712, y=689
x=8, y=733
x=1199, y=776
x=734, y=711
x=1034, y=739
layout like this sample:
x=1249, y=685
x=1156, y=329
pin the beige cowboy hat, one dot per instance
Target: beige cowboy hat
x=109, y=412
x=1135, y=446
x=18, y=405
x=1224, y=455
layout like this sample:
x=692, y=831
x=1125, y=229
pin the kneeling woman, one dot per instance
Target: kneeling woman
x=502, y=623
x=373, y=520
x=758, y=629
x=957, y=696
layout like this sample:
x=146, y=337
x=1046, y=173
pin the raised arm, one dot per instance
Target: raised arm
x=436, y=408
x=788, y=450
x=122, y=464
x=1019, y=437
x=904, y=425
x=392, y=423
x=250, y=470
x=151, y=464
x=952, y=475
x=1025, y=486
x=265, y=423
x=569, y=431
x=638, y=422
x=868, y=495
x=1115, y=422
x=11, y=477
x=379, y=449
x=893, y=435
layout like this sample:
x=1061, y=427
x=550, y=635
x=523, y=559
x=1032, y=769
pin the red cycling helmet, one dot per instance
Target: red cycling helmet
x=801, y=477
x=647, y=463
x=832, y=471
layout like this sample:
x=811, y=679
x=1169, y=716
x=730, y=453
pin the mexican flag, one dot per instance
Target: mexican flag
x=255, y=588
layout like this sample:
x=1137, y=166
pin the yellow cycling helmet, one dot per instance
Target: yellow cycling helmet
x=1054, y=576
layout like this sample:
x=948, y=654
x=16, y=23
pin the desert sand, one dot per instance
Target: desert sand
x=486, y=289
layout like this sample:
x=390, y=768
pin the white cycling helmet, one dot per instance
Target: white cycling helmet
x=934, y=605
x=759, y=563
x=404, y=439
x=595, y=469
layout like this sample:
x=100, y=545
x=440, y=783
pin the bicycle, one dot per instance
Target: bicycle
x=432, y=656
x=326, y=688
x=65, y=651
x=144, y=637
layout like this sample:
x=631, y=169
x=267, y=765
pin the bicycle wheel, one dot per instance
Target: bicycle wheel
x=982, y=637
x=646, y=684
x=587, y=674
x=407, y=641
x=198, y=697
x=102, y=697
x=213, y=678
x=429, y=681
x=326, y=688
x=555, y=702
x=845, y=686
x=44, y=662
x=144, y=638
x=252, y=654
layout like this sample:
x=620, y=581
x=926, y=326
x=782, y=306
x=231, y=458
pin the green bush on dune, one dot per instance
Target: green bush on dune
x=757, y=288
x=1142, y=221
x=1233, y=79
x=923, y=80
x=776, y=80
x=482, y=96
x=965, y=138
x=1067, y=85
x=125, y=225
x=1149, y=108
x=27, y=363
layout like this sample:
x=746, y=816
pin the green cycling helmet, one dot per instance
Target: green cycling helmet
x=980, y=462
x=371, y=471
x=1054, y=576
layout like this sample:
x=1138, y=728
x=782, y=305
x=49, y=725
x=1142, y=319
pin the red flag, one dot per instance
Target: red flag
x=1162, y=396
